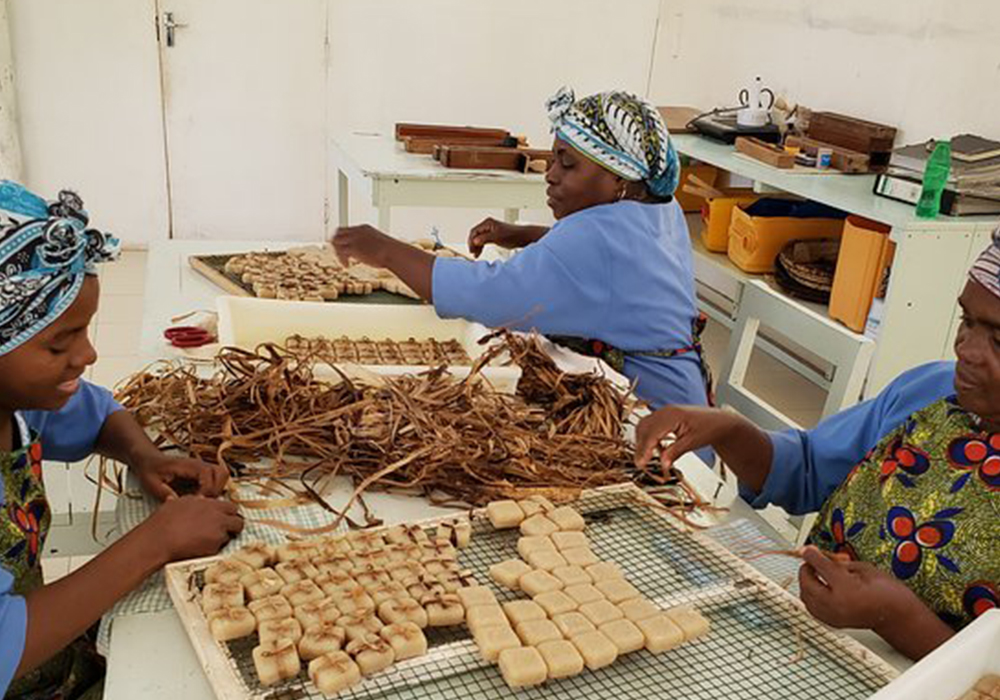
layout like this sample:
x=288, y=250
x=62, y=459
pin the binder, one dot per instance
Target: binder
x=865, y=255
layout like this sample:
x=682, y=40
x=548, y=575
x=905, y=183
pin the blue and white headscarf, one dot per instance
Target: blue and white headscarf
x=986, y=269
x=46, y=251
x=621, y=132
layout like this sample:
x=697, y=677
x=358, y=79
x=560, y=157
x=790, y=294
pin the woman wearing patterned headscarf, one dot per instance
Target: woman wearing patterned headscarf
x=48, y=296
x=612, y=278
x=907, y=485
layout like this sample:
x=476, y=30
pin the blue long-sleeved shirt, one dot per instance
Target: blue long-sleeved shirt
x=809, y=465
x=621, y=273
x=66, y=435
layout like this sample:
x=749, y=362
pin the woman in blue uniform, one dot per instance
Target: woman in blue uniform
x=612, y=278
x=907, y=485
x=48, y=296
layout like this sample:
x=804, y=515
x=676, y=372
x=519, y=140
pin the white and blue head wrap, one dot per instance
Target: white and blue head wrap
x=621, y=132
x=986, y=269
x=46, y=251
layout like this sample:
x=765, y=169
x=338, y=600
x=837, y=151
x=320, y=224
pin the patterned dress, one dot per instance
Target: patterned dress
x=924, y=505
x=77, y=671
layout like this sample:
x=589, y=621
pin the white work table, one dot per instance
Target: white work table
x=400, y=179
x=150, y=656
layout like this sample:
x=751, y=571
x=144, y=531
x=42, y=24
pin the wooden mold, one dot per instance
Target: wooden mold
x=439, y=131
x=768, y=153
x=487, y=158
x=843, y=159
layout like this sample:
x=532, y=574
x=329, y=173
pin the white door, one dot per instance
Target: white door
x=244, y=108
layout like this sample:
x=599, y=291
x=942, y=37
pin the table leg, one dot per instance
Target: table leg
x=343, y=199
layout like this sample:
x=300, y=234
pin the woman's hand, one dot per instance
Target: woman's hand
x=502, y=234
x=364, y=244
x=193, y=526
x=165, y=477
x=692, y=427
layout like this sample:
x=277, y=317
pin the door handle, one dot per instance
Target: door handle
x=170, y=26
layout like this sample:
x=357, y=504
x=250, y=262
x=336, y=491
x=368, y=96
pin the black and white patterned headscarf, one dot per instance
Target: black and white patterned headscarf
x=46, y=251
x=986, y=269
x=621, y=132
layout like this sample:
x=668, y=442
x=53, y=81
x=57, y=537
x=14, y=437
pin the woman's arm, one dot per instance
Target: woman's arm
x=370, y=246
x=60, y=612
x=503, y=234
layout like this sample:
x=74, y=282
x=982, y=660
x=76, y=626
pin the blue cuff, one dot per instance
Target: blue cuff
x=785, y=463
x=13, y=632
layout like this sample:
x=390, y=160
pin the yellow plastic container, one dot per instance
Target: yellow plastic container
x=708, y=174
x=717, y=213
x=755, y=241
x=865, y=254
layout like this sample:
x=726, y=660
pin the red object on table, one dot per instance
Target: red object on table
x=188, y=336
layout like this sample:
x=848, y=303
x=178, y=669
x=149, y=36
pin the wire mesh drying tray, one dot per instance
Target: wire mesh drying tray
x=763, y=644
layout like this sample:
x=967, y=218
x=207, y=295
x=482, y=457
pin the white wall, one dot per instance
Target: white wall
x=10, y=146
x=932, y=67
x=483, y=62
x=88, y=92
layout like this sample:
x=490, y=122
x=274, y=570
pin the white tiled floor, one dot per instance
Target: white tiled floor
x=116, y=337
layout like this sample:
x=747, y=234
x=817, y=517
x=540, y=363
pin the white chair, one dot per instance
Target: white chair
x=849, y=354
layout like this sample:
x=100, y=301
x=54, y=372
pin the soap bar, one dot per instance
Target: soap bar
x=569, y=540
x=476, y=595
x=353, y=600
x=504, y=514
x=617, y=590
x=545, y=560
x=406, y=639
x=273, y=607
x=221, y=595
x=407, y=572
x=600, y=612
x=522, y=667
x=507, y=573
x=661, y=633
x=484, y=616
x=596, y=649
x=534, y=632
x=321, y=639
x=372, y=654
x=256, y=555
x=638, y=609
x=444, y=610
x=231, y=623
x=537, y=582
x=359, y=625
x=273, y=630
x=533, y=505
x=227, y=571
x=604, y=570
x=572, y=575
x=334, y=673
x=567, y=519
x=276, y=661
x=493, y=639
x=580, y=556
x=297, y=550
x=262, y=583
x=371, y=577
x=334, y=546
x=555, y=603
x=388, y=591
x=457, y=532
x=561, y=658
x=692, y=623
x=302, y=592
x=584, y=593
x=402, y=610
x=538, y=525
x=533, y=542
x=297, y=570
x=624, y=634
x=333, y=582
x=519, y=611
x=572, y=624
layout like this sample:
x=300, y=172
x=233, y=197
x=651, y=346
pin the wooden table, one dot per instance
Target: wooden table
x=400, y=179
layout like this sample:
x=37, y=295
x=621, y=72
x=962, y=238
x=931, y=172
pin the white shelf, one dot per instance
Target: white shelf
x=850, y=193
